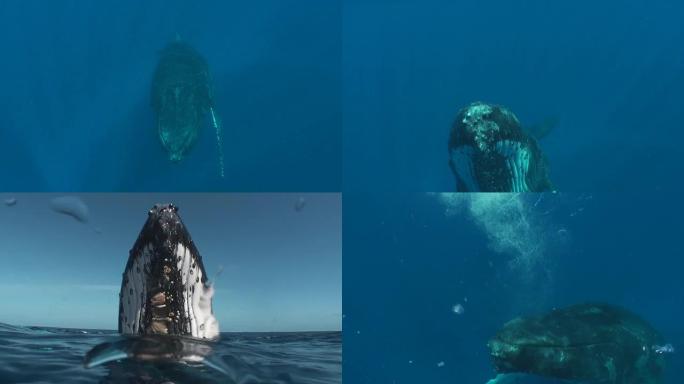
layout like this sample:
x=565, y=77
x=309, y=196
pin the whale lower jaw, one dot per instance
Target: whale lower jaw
x=515, y=155
x=174, y=302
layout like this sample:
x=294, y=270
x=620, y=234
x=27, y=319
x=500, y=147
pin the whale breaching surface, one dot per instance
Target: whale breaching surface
x=182, y=97
x=165, y=290
x=165, y=303
x=490, y=152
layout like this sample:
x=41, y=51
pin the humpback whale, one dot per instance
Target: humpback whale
x=490, y=152
x=182, y=97
x=164, y=290
x=165, y=302
x=588, y=343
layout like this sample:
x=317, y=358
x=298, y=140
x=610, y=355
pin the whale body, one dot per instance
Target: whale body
x=181, y=97
x=165, y=303
x=164, y=290
x=587, y=343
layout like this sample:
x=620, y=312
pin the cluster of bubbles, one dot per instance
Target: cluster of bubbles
x=507, y=219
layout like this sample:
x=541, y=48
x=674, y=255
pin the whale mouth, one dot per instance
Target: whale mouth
x=164, y=290
x=511, y=159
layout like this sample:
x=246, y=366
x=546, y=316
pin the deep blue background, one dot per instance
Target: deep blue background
x=611, y=72
x=406, y=264
x=75, y=110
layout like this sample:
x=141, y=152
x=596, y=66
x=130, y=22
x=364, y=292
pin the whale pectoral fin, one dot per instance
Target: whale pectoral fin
x=104, y=353
x=513, y=378
x=517, y=159
x=462, y=164
x=499, y=379
x=543, y=128
x=219, y=141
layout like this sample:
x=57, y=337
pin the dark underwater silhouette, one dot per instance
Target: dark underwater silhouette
x=595, y=343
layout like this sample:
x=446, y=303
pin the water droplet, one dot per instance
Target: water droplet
x=196, y=280
x=130, y=291
x=458, y=309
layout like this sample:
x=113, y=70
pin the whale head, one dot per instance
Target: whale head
x=519, y=346
x=164, y=290
x=490, y=152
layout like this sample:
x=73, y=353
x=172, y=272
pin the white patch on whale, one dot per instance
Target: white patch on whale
x=196, y=296
x=203, y=323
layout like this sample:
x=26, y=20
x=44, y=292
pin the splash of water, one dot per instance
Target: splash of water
x=71, y=206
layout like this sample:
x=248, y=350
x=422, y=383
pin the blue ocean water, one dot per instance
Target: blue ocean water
x=430, y=278
x=75, y=109
x=610, y=73
x=55, y=355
